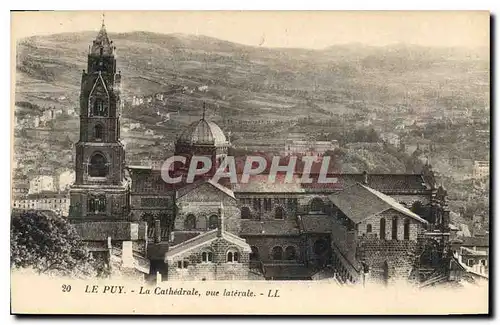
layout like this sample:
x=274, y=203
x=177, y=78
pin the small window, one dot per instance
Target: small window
x=100, y=108
x=368, y=228
x=245, y=213
x=317, y=205
x=470, y=262
x=190, y=222
x=98, y=166
x=207, y=257
x=382, y=228
x=394, y=228
x=98, y=132
x=290, y=253
x=277, y=253
x=185, y=264
x=213, y=222
x=232, y=256
x=254, y=256
x=279, y=213
x=268, y=204
x=406, y=229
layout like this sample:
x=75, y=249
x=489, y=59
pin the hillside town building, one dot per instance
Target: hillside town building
x=295, y=147
x=357, y=229
x=481, y=169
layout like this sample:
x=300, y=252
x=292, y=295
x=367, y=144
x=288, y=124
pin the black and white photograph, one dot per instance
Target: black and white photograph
x=232, y=155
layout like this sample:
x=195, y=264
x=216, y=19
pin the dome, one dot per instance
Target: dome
x=203, y=132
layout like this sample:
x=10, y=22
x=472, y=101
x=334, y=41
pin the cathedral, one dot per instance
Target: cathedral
x=361, y=228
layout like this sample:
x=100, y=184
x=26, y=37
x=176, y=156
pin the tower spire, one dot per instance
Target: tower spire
x=103, y=16
x=204, y=110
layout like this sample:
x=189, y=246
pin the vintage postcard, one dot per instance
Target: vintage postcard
x=258, y=162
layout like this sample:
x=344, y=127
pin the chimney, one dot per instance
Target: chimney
x=157, y=231
x=365, y=177
x=220, y=227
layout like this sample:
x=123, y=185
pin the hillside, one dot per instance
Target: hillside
x=339, y=85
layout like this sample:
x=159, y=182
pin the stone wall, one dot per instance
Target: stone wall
x=414, y=225
x=388, y=260
x=265, y=245
x=218, y=269
x=203, y=202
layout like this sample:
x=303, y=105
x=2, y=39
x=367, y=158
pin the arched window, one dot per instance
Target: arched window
x=382, y=228
x=406, y=230
x=254, y=256
x=233, y=256
x=277, y=253
x=279, y=213
x=96, y=204
x=207, y=256
x=368, y=228
x=183, y=264
x=98, y=132
x=213, y=222
x=317, y=205
x=99, y=108
x=98, y=166
x=320, y=246
x=290, y=253
x=395, y=228
x=245, y=213
x=190, y=222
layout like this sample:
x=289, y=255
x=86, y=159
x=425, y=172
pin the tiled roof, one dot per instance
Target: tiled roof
x=260, y=184
x=286, y=271
x=380, y=182
x=19, y=212
x=359, y=202
x=475, y=241
x=204, y=239
x=472, y=252
x=188, y=188
x=269, y=227
x=180, y=237
x=386, y=182
x=317, y=223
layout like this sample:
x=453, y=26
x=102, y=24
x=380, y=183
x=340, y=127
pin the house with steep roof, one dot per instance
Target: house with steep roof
x=216, y=254
x=380, y=234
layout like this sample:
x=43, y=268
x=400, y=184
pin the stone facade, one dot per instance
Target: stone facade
x=374, y=223
x=388, y=260
x=394, y=257
x=262, y=247
x=203, y=203
x=196, y=264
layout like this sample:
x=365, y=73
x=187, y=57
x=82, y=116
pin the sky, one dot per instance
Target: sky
x=303, y=29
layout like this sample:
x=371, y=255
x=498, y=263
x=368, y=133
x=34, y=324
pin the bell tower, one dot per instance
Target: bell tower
x=100, y=191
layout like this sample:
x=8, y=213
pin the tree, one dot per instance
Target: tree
x=47, y=243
